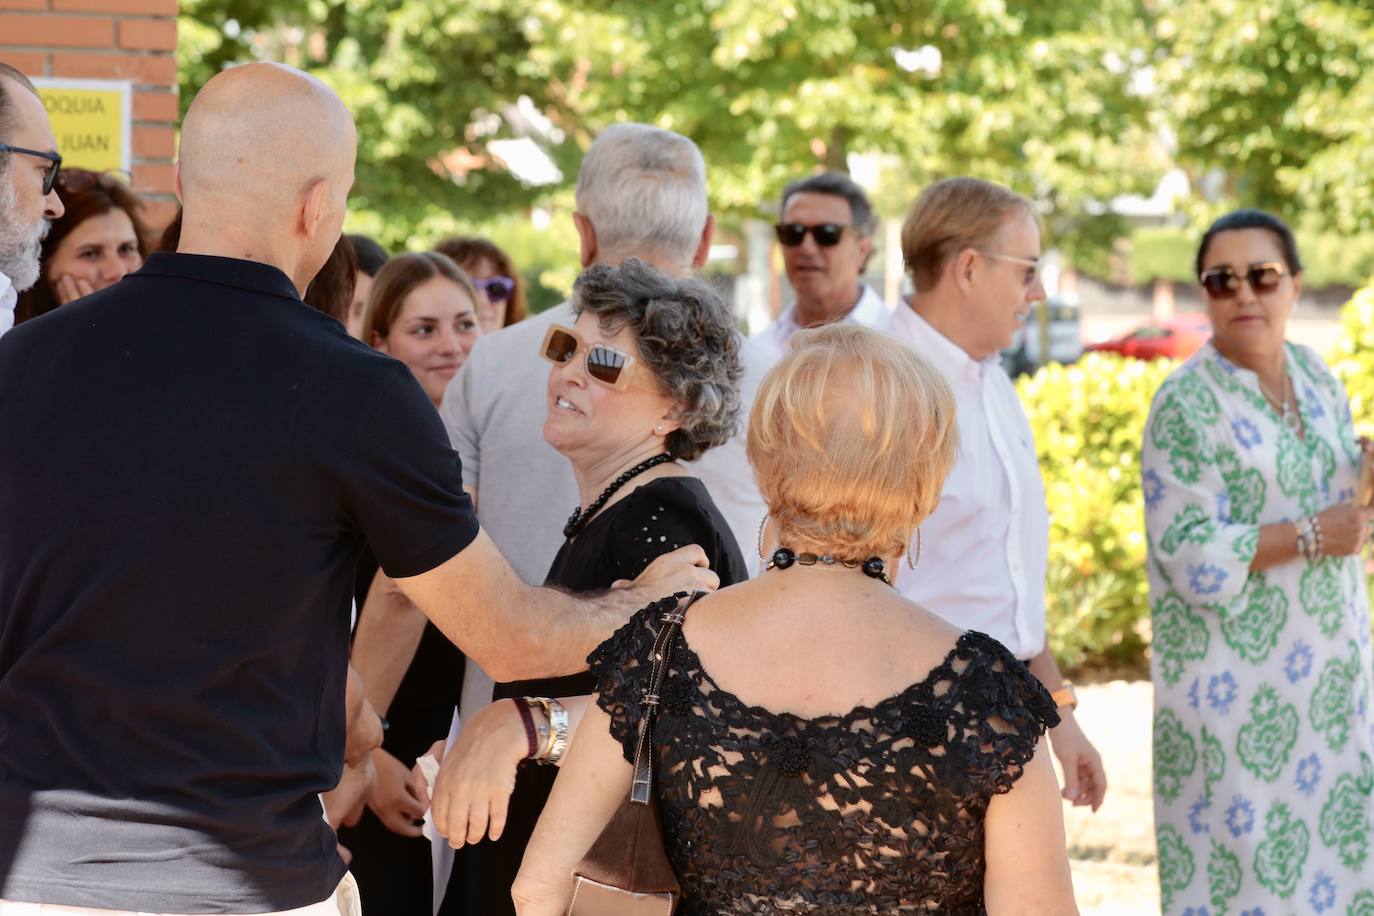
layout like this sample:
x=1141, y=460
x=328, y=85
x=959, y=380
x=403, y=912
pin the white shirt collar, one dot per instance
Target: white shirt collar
x=9, y=297
x=951, y=359
x=870, y=311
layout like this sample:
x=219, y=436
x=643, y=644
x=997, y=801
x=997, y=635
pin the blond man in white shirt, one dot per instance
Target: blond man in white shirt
x=973, y=249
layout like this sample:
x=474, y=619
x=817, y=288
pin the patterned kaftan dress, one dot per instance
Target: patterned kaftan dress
x=1263, y=728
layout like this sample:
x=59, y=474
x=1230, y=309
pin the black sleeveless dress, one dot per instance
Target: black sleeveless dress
x=877, y=811
x=619, y=542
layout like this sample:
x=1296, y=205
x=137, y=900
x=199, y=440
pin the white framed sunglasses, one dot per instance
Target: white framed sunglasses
x=605, y=364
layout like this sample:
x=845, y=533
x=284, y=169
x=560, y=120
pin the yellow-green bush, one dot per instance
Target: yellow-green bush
x=1088, y=420
x=1353, y=357
x=1352, y=360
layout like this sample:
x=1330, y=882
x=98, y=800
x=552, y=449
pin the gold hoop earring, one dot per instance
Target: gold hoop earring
x=911, y=564
x=763, y=523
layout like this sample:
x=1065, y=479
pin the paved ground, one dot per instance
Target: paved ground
x=1113, y=851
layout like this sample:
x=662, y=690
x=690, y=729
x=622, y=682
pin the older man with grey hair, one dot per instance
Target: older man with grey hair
x=28, y=203
x=641, y=193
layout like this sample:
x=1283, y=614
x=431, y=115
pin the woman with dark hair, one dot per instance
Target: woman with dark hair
x=500, y=289
x=99, y=239
x=421, y=310
x=648, y=377
x=332, y=289
x=1264, y=687
x=371, y=259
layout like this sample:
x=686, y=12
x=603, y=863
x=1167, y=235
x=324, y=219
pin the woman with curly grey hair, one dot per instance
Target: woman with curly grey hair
x=647, y=377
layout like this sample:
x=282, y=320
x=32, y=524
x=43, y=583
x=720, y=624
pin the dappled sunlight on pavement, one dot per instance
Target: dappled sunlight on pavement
x=1112, y=852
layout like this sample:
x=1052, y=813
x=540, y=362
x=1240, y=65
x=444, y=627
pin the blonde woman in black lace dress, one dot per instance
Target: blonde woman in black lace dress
x=824, y=745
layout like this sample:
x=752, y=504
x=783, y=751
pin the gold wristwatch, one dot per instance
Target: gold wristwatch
x=1065, y=697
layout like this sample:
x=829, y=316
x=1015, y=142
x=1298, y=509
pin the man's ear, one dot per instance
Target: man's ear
x=586, y=234
x=963, y=269
x=703, y=251
x=313, y=206
x=865, y=252
x=176, y=183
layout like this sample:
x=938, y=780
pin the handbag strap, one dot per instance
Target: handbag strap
x=641, y=788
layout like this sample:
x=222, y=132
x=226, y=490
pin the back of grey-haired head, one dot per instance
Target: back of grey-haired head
x=836, y=184
x=644, y=190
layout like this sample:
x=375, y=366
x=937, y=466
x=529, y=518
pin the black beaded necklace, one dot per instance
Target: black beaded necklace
x=580, y=517
x=873, y=567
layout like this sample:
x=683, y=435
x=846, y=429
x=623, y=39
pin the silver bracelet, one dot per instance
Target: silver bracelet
x=558, y=721
x=553, y=732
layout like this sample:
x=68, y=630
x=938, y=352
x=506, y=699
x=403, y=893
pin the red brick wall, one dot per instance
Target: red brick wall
x=109, y=39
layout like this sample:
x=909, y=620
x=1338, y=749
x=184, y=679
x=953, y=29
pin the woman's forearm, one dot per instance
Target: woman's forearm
x=1278, y=544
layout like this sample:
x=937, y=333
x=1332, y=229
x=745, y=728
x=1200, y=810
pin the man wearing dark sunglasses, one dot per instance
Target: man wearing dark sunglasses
x=826, y=236
x=28, y=203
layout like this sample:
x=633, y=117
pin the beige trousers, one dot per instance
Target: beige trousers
x=343, y=902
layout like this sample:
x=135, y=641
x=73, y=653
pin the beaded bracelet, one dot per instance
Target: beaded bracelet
x=1310, y=538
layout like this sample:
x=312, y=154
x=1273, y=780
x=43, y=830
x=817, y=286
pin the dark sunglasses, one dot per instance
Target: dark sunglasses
x=1223, y=282
x=498, y=289
x=50, y=174
x=606, y=365
x=826, y=235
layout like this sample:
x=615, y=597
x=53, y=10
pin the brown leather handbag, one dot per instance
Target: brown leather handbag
x=626, y=871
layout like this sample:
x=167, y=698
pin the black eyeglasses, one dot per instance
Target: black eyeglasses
x=1223, y=282
x=50, y=175
x=827, y=235
x=498, y=289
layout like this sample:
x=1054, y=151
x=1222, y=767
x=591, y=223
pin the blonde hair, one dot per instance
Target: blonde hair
x=851, y=437
x=950, y=216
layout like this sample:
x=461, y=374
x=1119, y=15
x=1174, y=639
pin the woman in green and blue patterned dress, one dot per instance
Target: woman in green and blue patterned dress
x=1263, y=778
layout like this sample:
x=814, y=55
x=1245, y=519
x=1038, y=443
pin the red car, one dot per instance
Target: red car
x=1173, y=338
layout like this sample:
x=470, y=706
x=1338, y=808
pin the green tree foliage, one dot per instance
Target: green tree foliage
x=1088, y=420
x=1276, y=95
x=1329, y=258
x=1037, y=96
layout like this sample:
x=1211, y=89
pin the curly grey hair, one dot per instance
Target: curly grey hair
x=687, y=338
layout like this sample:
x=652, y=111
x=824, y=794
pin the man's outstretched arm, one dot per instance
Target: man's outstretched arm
x=517, y=632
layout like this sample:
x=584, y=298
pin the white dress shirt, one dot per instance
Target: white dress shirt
x=984, y=549
x=772, y=341
x=9, y=297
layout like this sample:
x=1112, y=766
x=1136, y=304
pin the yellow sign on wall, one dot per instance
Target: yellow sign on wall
x=91, y=119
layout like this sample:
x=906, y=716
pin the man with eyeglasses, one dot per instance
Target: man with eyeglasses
x=973, y=249
x=826, y=233
x=28, y=203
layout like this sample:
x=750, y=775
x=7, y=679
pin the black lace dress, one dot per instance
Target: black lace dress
x=876, y=811
x=620, y=541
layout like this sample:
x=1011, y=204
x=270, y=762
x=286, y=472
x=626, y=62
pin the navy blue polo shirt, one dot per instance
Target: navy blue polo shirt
x=190, y=464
